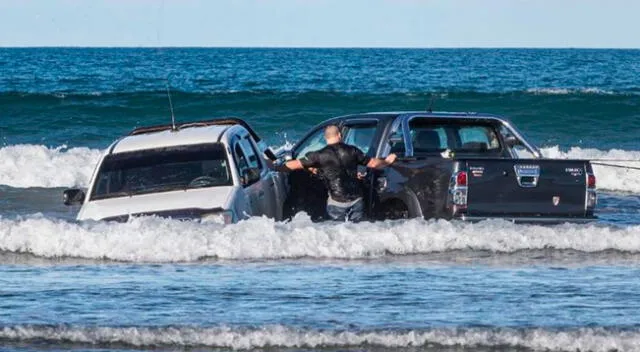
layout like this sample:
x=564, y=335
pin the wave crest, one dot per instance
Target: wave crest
x=28, y=165
x=164, y=240
x=277, y=336
x=608, y=178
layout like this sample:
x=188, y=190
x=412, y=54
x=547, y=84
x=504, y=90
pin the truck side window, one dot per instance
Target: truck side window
x=518, y=150
x=398, y=147
x=315, y=142
x=428, y=139
x=360, y=136
x=478, y=138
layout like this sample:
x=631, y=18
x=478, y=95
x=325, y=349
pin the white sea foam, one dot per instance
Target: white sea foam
x=608, y=177
x=163, y=240
x=38, y=166
x=277, y=336
x=566, y=91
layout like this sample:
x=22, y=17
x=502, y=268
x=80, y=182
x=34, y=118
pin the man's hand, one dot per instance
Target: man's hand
x=391, y=158
x=313, y=170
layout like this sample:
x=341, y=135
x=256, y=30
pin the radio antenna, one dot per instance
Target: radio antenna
x=173, y=117
x=430, y=107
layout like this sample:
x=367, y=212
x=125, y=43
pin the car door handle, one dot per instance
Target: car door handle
x=261, y=194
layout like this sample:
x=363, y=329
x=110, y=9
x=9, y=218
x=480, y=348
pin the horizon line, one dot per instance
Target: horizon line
x=311, y=47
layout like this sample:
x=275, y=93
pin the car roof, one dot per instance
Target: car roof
x=170, y=138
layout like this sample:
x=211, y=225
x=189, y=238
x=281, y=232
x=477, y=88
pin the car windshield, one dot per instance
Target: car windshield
x=162, y=170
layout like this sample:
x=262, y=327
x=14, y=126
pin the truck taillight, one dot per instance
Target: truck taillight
x=592, y=198
x=461, y=178
x=458, y=190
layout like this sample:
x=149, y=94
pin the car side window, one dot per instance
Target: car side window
x=241, y=159
x=360, y=136
x=314, y=142
x=251, y=153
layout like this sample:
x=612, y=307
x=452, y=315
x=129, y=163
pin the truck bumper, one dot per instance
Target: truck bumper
x=531, y=219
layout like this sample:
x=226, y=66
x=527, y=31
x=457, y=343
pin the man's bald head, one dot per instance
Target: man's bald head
x=332, y=134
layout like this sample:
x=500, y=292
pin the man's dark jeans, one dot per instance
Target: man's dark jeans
x=349, y=212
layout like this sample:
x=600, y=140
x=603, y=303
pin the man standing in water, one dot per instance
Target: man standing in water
x=337, y=164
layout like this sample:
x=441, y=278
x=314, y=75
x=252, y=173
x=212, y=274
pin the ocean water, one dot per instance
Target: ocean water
x=301, y=286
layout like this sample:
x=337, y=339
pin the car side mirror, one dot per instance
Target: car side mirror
x=512, y=141
x=73, y=196
x=249, y=176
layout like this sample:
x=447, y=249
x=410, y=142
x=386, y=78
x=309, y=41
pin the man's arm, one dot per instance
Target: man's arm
x=289, y=166
x=378, y=164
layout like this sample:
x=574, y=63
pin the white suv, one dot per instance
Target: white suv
x=207, y=169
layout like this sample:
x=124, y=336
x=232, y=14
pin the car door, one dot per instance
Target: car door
x=266, y=194
x=307, y=191
x=362, y=133
x=251, y=187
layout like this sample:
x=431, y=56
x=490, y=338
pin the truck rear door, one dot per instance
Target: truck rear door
x=527, y=187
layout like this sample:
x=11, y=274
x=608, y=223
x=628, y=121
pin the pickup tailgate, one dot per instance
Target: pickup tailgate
x=532, y=187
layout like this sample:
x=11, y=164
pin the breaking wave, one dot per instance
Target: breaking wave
x=608, y=178
x=278, y=336
x=154, y=239
x=28, y=165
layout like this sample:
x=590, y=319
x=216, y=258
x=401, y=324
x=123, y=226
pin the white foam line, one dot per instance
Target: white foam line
x=538, y=339
x=566, y=91
x=164, y=240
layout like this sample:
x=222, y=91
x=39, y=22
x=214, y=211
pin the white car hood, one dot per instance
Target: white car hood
x=199, y=198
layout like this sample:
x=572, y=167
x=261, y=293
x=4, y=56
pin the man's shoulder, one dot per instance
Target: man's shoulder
x=350, y=148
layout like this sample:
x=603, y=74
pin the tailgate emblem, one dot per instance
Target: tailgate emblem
x=556, y=200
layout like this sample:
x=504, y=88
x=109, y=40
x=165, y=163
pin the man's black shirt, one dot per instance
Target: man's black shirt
x=338, y=168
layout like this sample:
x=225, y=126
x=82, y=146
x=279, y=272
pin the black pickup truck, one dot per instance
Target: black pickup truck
x=466, y=166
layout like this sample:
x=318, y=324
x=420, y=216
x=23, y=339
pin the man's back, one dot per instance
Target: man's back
x=338, y=166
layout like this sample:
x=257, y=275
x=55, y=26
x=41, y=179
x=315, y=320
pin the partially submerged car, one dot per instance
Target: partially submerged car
x=466, y=166
x=197, y=170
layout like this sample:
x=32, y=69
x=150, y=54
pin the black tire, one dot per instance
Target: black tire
x=393, y=210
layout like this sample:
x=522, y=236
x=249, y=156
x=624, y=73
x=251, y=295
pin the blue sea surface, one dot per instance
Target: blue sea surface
x=301, y=286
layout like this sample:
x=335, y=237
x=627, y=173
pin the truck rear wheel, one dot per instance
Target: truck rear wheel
x=394, y=210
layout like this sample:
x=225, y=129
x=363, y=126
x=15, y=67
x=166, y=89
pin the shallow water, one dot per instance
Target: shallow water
x=411, y=285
